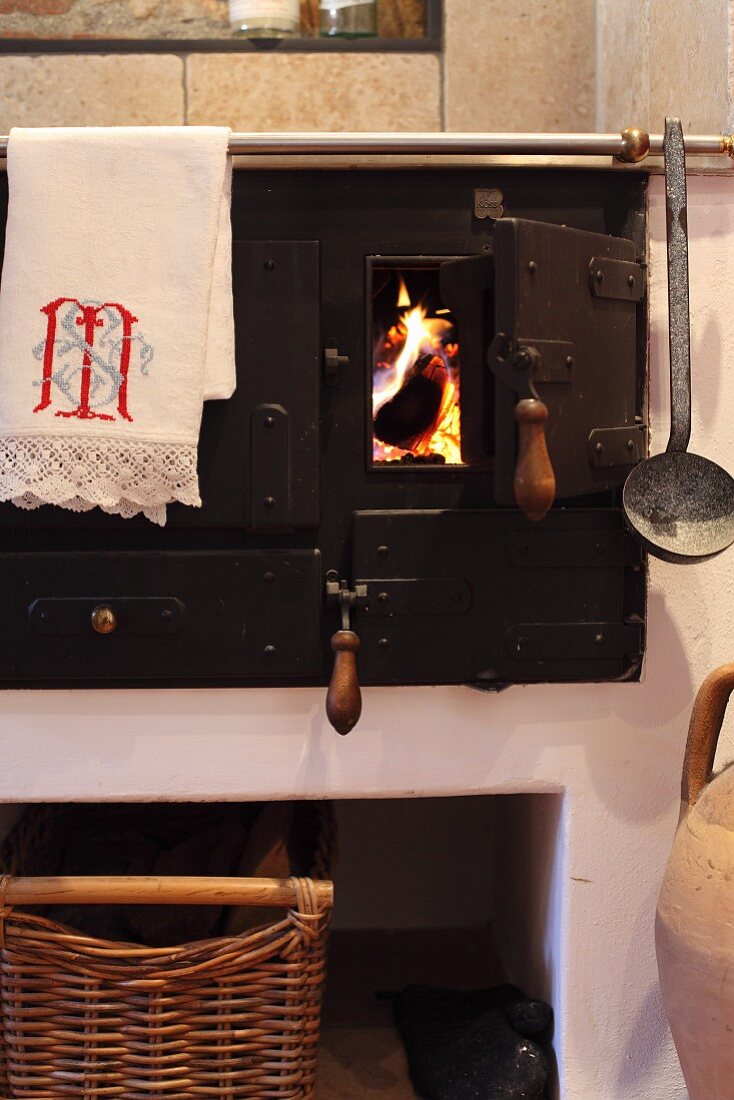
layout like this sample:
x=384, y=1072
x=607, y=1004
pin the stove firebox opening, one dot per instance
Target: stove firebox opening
x=415, y=368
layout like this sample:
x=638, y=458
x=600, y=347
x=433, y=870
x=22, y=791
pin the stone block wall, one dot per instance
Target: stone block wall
x=529, y=64
x=658, y=57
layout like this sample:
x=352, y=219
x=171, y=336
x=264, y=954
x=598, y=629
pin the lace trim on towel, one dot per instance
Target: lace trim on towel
x=120, y=477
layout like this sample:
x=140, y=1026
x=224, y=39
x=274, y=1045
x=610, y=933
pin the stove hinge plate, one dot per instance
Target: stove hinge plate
x=539, y=549
x=617, y=446
x=549, y=642
x=620, y=279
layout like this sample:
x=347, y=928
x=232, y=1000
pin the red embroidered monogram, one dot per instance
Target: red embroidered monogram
x=89, y=368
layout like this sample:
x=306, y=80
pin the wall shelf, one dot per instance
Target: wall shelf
x=431, y=42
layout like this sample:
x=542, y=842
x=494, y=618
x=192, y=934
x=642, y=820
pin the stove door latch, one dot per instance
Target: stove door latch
x=344, y=698
x=334, y=363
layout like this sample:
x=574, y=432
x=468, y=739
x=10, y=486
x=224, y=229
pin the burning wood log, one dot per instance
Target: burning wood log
x=414, y=410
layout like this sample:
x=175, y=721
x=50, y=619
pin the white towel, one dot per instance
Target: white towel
x=116, y=319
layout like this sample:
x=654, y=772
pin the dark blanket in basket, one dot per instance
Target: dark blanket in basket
x=473, y=1046
x=153, y=839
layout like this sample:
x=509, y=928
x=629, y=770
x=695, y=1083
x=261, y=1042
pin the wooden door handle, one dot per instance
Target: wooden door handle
x=535, y=482
x=344, y=699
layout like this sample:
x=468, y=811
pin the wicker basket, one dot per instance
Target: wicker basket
x=236, y=1016
x=230, y=1017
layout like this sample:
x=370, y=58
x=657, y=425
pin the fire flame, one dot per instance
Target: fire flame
x=416, y=334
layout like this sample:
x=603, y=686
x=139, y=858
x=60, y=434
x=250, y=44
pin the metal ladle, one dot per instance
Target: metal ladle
x=678, y=505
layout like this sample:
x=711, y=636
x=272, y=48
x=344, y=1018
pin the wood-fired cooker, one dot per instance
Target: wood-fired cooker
x=309, y=519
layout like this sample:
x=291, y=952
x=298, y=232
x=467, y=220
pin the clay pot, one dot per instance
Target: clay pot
x=694, y=931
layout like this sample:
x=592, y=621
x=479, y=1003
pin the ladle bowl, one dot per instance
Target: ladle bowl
x=680, y=506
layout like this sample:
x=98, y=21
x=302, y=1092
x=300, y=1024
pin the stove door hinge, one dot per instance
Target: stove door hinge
x=344, y=698
x=620, y=279
x=334, y=363
x=617, y=446
x=549, y=642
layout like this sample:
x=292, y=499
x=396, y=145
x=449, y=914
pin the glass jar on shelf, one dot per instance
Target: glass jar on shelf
x=347, y=18
x=265, y=18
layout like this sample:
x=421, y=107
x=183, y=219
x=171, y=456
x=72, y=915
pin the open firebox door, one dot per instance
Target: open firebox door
x=537, y=360
x=555, y=325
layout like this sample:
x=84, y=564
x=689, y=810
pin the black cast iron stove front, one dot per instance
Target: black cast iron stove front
x=458, y=586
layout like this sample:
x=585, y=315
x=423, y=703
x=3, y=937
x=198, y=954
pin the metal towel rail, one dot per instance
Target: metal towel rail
x=631, y=146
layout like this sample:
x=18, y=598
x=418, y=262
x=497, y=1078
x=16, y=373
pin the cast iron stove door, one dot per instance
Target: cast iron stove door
x=573, y=297
x=570, y=298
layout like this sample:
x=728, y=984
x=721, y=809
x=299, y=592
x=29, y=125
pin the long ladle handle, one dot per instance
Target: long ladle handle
x=679, y=328
x=703, y=732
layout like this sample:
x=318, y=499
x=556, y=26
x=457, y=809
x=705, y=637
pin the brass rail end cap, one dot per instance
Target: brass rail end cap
x=635, y=145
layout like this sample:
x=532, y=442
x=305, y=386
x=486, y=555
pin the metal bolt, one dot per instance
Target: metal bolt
x=631, y=281
x=569, y=361
x=600, y=276
x=269, y=502
x=630, y=445
x=268, y=421
x=269, y=265
x=599, y=639
x=384, y=643
x=486, y=248
x=521, y=644
x=383, y=597
x=166, y=615
x=269, y=651
x=383, y=551
x=45, y=616
x=532, y=267
x=104, y=620
x=268, y=577
x=599, y=448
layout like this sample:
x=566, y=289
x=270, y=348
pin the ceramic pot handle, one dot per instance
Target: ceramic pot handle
x=703, y=733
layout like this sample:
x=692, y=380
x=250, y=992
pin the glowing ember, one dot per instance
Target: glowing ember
x=413, y=336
